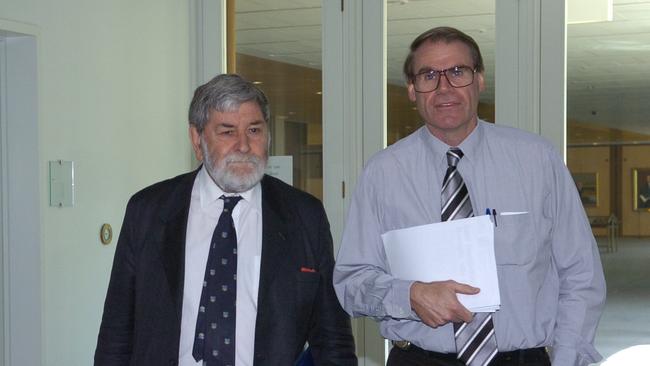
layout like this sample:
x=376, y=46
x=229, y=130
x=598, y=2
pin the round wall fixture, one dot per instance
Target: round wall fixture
x=106, y=234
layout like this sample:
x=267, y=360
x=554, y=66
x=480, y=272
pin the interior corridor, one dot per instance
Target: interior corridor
x=623, y=336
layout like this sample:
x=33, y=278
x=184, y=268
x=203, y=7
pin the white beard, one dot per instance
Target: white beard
x=228, y=180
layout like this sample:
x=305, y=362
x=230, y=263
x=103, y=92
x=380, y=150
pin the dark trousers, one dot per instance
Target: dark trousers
x=415, y=356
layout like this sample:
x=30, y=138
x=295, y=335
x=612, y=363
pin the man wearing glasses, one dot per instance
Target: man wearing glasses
x=551, y=282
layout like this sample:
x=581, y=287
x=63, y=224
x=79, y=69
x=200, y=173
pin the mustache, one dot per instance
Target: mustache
x=241, y=158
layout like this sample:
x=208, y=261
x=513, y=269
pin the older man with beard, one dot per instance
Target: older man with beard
x=224, y=265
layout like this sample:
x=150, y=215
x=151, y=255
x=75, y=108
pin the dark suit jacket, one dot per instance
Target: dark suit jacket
x=142, y=312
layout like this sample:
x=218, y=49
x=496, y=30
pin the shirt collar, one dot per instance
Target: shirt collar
x=470, y=146
x=209, y=191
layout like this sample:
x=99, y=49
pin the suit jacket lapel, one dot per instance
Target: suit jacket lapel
x=274, y=237
x=275, y=250
x=173, y=215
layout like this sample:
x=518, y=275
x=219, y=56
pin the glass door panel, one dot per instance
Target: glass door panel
x=278, y=47
x=608, y=153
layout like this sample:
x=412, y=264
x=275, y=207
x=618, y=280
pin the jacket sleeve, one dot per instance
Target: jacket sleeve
x=115, y=340
x=330, y=337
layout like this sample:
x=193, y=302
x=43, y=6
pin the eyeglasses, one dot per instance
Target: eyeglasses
x=457, y=76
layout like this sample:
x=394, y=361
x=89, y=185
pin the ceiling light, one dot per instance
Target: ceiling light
x=589, y=11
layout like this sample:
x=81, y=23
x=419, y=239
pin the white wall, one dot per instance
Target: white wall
x=114, y=87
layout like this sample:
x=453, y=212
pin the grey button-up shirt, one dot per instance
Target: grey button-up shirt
x=550, y=276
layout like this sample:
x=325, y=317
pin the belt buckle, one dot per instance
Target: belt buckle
x=403, y=345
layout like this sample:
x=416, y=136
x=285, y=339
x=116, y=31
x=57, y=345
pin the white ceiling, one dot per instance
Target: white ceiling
x=607, y=62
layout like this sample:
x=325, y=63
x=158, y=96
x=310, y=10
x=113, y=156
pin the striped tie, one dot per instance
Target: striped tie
x=476, y=343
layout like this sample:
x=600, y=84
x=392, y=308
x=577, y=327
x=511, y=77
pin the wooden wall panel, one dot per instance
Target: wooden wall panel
x=594, y=160
x=635, y=223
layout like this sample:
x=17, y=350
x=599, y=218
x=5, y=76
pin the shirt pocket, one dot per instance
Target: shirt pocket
x=514, y=239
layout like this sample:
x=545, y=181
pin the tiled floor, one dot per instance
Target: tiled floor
x=626, y=320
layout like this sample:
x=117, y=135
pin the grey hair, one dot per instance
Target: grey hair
x=224, y=93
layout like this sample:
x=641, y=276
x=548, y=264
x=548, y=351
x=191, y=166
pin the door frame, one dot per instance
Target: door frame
x=21, y=196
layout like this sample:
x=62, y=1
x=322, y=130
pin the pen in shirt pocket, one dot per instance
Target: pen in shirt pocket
x=493, y=215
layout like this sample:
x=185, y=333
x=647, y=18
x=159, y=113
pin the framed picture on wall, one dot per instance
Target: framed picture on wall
x=641, y=181
x=587, y=185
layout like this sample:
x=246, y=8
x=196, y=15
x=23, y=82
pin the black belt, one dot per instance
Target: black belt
x=523, y=355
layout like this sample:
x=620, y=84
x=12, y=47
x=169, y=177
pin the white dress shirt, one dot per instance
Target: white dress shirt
x=205, y=209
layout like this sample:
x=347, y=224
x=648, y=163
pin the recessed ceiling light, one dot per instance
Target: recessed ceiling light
x=257, y=82
x=589, y=11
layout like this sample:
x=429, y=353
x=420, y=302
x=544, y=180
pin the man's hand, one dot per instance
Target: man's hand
x=436, y=303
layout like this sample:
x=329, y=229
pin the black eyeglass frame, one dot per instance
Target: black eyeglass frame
x=443, y=72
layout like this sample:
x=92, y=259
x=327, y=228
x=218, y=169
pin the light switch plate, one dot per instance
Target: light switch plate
x=61, y=183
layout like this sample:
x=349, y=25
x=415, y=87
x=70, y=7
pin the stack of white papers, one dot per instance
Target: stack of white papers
x=459, y=250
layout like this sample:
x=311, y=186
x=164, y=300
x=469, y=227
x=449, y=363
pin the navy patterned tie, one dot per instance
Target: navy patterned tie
x=214, y=340
x=476, y=343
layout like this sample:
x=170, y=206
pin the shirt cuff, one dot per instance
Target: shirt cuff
x=566, y=356
x=401, y=308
